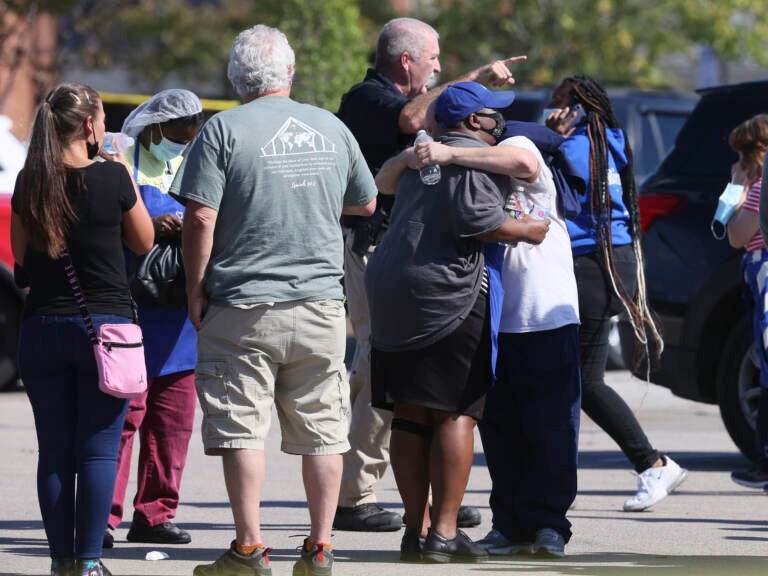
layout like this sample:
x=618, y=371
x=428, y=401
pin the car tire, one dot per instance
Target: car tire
x=10, y=314
x=738, y=388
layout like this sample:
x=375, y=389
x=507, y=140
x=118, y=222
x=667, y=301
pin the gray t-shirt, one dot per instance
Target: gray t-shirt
x=279, y=173
x=424, y=278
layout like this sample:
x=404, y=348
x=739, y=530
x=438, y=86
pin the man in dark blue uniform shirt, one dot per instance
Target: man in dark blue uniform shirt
x=384, y=112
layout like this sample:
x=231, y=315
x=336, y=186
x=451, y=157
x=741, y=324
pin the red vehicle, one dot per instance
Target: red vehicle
x=12, y=154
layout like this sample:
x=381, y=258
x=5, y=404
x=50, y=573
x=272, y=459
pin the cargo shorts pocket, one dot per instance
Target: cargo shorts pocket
x=212, y=380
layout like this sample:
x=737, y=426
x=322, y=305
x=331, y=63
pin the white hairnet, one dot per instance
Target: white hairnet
x=163, y=106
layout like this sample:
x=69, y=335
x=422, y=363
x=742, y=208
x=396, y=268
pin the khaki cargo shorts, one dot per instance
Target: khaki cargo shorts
x=290, y=354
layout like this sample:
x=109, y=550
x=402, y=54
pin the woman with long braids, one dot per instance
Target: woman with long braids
x=609, y=267
x=71, y=211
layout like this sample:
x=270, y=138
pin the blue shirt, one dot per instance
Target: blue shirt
x=583, y=228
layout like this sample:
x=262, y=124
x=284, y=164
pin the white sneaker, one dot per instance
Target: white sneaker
x=655, y=484
x=498, y=545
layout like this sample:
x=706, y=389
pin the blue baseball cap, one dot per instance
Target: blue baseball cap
x=460, y=100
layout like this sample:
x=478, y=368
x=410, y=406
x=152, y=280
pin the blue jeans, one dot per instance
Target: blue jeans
x=754, y=266
x=78, y=431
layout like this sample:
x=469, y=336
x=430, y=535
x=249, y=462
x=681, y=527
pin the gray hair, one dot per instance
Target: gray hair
x=261, y=61
x=401, y=35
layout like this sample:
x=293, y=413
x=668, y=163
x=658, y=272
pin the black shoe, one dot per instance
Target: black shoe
x=367, y=518
x=410, y=546
x=754, y=478
x=108, y=541
x=458, y=549
x=165, y=533
x=468, y=517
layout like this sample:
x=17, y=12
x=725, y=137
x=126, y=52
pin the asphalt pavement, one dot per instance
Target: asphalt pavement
x=708, y=526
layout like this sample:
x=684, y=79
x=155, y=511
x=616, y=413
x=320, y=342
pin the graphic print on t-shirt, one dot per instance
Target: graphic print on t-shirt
x=299, y=151
x=295, y=137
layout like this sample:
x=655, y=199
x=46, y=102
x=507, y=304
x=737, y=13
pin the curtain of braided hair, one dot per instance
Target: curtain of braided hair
x=600, y=115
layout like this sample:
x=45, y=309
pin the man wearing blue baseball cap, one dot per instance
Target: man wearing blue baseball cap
x=428, y=298
x=460, y=100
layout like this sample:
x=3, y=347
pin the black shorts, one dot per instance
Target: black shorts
x=452, y=375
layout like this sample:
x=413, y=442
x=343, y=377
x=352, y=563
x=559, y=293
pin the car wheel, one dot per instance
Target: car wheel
x=9, y=331
x=738, y=388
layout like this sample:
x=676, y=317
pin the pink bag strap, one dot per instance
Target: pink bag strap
x=69, y=270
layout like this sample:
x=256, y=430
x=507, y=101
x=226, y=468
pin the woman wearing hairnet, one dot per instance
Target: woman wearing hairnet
x=164, y=414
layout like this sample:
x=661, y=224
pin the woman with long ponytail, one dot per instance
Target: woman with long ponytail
x=610, y=273
x=68, y=209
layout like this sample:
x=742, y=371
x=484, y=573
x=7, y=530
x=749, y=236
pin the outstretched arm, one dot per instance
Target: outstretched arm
x=497, y=73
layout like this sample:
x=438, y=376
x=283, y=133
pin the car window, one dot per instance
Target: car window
x=658, y=130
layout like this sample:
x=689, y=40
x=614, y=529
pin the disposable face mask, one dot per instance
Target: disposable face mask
x=166, y=150
x=726, y=205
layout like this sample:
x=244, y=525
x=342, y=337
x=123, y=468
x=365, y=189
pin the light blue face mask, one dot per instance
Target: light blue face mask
x=726, y=206
x=166, y=150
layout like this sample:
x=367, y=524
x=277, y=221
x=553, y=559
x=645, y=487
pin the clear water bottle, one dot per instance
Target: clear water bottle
x=430, y=174
x=116, y=142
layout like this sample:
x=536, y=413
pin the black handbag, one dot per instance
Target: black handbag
x=158, y=276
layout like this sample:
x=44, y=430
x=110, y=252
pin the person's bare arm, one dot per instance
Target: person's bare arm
x=196, y=246
x=509, y=160
x=497, y=73
x=742, y=226
x=360, y=210
x=390, y=172
x=523, y=229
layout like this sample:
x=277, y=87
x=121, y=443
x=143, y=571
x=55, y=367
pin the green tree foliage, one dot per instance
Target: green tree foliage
x=192, y=40
x=619, y=41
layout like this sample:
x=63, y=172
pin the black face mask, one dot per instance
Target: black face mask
x=498, y=131
x=92, y=149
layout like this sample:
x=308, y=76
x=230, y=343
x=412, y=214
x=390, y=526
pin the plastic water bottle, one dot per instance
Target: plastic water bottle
x=429, y=174
x=116, y=142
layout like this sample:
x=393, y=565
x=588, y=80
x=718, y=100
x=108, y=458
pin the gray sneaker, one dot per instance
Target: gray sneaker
x=550, y=543
x=315, y=560
x=233, y=564
x=754, y=478
x=499, y=545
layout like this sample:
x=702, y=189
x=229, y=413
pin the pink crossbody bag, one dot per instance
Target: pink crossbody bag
x=118, y=348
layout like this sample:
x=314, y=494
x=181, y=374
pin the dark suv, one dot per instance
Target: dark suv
x=693, y=280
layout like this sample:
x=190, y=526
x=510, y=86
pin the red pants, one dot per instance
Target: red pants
x=164, y=416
